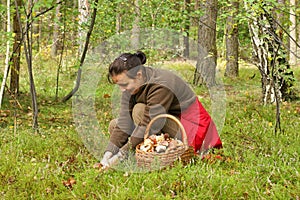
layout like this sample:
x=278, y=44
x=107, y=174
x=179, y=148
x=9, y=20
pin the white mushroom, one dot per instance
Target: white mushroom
x=160, y=148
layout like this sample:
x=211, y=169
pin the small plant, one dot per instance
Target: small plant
x=55, y=164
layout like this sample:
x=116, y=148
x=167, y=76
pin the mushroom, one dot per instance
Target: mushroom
x=153, y=138
x=172, y=145
x=160, y=148
x=166, y=136
x=160, y=138
x=146, y=147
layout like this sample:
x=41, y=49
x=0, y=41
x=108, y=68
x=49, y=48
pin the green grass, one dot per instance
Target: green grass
x=256, y=163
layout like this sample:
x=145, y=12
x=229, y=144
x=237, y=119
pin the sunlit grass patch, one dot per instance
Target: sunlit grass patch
x=255, y=162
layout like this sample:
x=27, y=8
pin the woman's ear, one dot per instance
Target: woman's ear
x=139, y=75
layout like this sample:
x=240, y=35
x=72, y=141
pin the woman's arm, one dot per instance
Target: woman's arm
x=123, y=130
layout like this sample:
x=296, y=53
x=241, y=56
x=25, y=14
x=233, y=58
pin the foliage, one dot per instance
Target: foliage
x=254, y=163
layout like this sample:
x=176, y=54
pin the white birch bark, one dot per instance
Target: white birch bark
x=261, y=53
x=83, y=8
x=298, y=40
x=6, y=68
x=293, y=34
x=118, y=22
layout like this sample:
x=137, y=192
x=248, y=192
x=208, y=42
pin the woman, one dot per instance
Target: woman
x=146, y=93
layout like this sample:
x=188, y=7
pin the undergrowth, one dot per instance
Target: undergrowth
x=255, y=162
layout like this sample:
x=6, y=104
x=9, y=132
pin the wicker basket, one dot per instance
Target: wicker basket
x=154, y=160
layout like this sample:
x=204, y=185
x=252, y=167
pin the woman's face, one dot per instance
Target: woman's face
x=128, y=84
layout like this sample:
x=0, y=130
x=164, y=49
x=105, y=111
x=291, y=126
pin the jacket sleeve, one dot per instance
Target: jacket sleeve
x=119, y=136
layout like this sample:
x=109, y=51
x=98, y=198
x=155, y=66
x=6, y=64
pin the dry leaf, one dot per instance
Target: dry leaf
x=69, y=183
x=106, y=96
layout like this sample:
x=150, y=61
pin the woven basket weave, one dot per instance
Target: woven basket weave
x=154, y=160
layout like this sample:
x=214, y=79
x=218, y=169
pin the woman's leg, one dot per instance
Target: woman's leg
x=169, y=127
x=112, y=125
x=138, y=113
x=172, y=128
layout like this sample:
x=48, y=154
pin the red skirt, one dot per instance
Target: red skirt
x=201, y=131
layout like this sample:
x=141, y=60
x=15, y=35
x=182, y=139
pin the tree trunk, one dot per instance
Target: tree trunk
x=276, y=77
x=207, y=49
x=186, y=52
x=56, y=30
x=298, y=39
x=118, y=20
x=3, y=22
x=39, y=32
x=135, y=39
x=293, y=34
x=260, y=48
x=15, y=69
x=6, y=68
x=84, y=10
x=232, y=43
x=28, y=55
x=195, y=20
x=74, y=35
x=85, y=49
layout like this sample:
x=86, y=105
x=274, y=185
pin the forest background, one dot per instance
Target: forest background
x=247, y=49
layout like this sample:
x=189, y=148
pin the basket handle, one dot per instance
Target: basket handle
x=183, y=133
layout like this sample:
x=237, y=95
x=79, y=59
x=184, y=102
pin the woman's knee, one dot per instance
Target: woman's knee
x=112, y=125
x=138, y=112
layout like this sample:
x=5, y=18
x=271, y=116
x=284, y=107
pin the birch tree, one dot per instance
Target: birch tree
x=293, y=34
x=6, y=68
x=84, y=10
x=270, y=56
x=84, y=52
x=298, y=39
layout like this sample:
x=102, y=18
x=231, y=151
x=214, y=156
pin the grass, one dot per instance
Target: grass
x=255, y=163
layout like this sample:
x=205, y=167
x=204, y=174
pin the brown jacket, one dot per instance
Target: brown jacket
x=163, y=92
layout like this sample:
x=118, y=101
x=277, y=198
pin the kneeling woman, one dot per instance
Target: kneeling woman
x=146, y=93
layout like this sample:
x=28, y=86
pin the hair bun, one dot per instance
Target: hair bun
x=141, y=56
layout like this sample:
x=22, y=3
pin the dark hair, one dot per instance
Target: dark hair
x=131, y=63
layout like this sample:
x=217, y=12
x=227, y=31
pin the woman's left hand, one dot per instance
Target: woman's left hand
x=116, y=159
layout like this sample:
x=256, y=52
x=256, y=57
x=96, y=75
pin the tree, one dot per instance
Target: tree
x=84, y=10
x=118, y=19
x=135, y=40
x=298, y=32
x=207, y=49
x=15, y=69
x=6, y=69
x=231, y=39
x=56, y=30
x=85, y=49
x=293, y=34
x=270, y=56
x=186, y=37
x=28, y=54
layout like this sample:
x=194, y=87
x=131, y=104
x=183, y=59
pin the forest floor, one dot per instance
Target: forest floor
x=56, y=162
